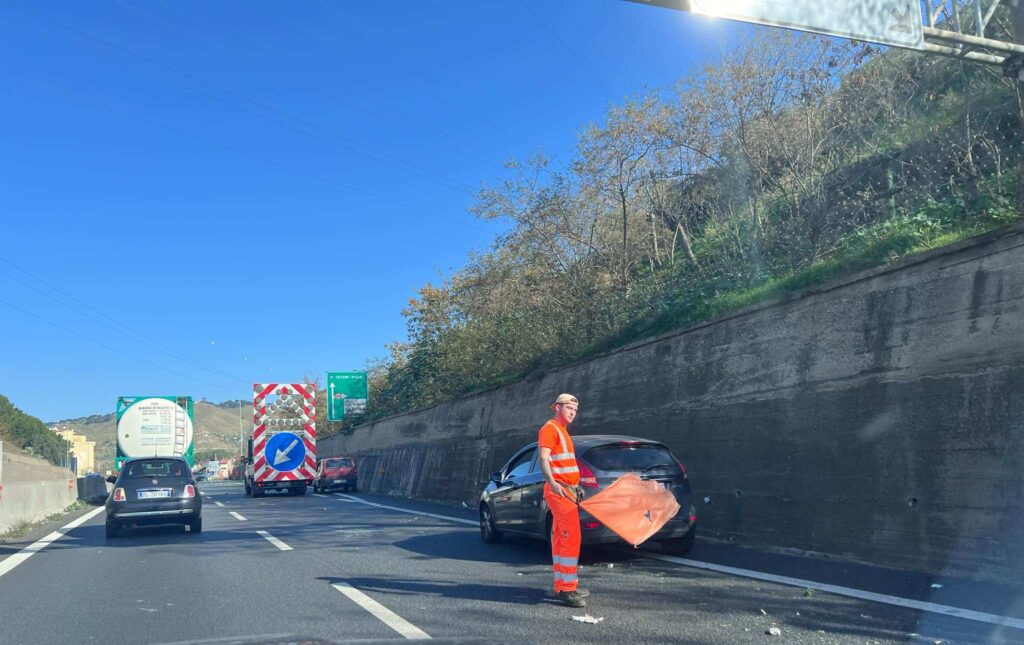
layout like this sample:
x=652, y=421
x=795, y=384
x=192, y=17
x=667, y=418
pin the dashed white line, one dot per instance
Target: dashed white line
x=319, y=495
x=382, y=613
x=37, y=546
x=897, y=601
x=411, y=512
x=237, y=516
x=273, y=540
x=218, y=503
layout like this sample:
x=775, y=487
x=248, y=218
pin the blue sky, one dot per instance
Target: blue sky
x=198, y=196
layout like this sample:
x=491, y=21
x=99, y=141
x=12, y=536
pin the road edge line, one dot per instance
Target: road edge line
x=10, y=562
x=411, y=512
x=849, y=592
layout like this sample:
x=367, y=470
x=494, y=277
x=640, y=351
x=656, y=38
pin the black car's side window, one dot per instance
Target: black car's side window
x=521, y=466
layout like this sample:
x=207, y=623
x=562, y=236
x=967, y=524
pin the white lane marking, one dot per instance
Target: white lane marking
x=14, y=560
x=273, y=540
x=319, y=495
x=411, y=512
x=237, y=516
x=218, y=503
x=897, y=601
x=382, y=613
x=849, y=592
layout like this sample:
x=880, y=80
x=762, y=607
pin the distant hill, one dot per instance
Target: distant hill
x=216, y=428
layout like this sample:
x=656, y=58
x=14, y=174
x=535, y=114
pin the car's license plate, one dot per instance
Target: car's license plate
x=147, y=494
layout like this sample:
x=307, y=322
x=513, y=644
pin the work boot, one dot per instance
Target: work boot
x=571, y=599
x=582, y=593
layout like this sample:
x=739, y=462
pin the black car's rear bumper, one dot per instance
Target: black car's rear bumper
x=180, y=512
x=603, y=535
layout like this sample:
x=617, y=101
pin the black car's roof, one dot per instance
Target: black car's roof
x=174, y=458
x=592, y=440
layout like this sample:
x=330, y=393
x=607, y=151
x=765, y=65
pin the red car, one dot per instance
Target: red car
x=335, y=472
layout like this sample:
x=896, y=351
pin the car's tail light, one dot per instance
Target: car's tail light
x=682, y=468
x=190, y=490
x=587, y=477
x=693, y=519
x=119, y=495
x=591, y=525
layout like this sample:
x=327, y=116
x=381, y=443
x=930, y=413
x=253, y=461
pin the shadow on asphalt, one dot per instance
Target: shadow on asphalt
x=452, y=590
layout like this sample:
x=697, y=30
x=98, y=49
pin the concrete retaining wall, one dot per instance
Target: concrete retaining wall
x=33, y=501
x=879, y=418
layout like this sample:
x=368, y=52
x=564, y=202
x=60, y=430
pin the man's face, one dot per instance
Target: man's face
x=567, y=411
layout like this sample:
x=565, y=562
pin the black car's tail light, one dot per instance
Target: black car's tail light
x=682, y=468
x=190, y=490
x=119, y=495
x=587, y=477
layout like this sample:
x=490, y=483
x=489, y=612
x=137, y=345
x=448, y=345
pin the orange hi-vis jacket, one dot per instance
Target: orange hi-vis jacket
x=563, y=453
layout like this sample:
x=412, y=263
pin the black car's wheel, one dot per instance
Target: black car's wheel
x=680, y=546
x=196, y=526
x=112, y=530
x=488, y=531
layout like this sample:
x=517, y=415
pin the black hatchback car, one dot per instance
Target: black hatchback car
x=154, y=490
x=513, y=501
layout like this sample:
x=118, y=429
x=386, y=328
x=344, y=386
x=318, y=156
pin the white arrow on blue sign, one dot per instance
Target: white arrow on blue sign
x=285, y=451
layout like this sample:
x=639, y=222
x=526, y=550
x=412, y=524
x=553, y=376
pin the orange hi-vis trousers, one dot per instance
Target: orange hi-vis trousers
x=565, y=539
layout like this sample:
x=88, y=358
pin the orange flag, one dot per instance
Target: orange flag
x=634, y=508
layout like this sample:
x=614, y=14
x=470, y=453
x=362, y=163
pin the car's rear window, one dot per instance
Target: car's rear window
x=156, y=468
x=633, y=457
x=339, y=463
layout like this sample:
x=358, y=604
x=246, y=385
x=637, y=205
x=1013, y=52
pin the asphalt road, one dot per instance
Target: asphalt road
x=340, y=567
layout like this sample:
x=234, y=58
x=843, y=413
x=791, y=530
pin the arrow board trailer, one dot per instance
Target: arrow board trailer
x=282, y=448
x=154, y=426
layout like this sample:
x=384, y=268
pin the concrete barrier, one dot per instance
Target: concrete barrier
x=93, y=489
x=34, y=501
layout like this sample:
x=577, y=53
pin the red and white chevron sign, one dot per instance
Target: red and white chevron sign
x=297, y=402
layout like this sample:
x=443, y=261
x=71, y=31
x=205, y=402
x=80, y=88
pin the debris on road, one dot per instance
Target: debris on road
x=611, y=565
x=587, y=618
x=808, y=592
x=707, y=500
x=774, y=631
x=764, y=613
x=936, y=585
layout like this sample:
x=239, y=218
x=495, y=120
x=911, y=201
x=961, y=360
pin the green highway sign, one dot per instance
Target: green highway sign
x=346, y=394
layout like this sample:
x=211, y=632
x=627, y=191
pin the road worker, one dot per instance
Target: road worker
x=562, y=494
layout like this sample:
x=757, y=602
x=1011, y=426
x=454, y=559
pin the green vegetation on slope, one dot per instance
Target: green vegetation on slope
x=29, y=433
x=790, y=162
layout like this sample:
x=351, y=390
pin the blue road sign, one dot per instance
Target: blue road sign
x=285, y=451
